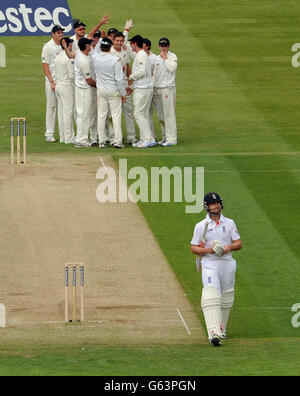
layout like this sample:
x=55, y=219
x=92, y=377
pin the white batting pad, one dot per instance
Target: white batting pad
x=211, y=307
x=2, y=315
x=227, y=300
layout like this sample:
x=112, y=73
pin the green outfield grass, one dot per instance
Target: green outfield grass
x=239, y=357
x=238, y=117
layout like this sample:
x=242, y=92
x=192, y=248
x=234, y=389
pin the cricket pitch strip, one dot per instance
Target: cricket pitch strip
x=50, y=216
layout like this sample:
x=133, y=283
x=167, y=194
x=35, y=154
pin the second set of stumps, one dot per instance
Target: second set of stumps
x=74, y=268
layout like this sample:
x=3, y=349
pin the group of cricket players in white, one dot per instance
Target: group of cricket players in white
x=92, y=79
x=89, y=79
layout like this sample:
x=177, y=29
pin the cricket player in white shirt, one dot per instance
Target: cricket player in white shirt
x=110, y=90
x=118, y=51
x=64, y=90
x=79, y=29
x=152, y=59
x=214, y=240
x=49, y=53
x=94, y=110
x=165, y=92
x=141, y=82
x=84, y=84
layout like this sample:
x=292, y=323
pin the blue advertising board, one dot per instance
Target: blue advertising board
x=34, y=17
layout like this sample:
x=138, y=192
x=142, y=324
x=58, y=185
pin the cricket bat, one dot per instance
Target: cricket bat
x=202, y=243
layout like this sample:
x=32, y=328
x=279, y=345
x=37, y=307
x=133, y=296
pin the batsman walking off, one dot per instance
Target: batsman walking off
x=214, y=240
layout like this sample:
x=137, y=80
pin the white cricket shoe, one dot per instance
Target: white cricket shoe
x=132, y=141
x=119, y=146
x=87, y=144
x=71, y=141
x=50, y=140
x=167, y=144
x=141, y=145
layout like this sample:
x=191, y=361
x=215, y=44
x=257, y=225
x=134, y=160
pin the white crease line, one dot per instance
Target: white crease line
x=253, y=171
x=267, y=308
x=216, y=154
x=41, y=322
x=104, y=166
x=183, y=321
x=122, y=182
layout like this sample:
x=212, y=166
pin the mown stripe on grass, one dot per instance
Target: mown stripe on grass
x=270, y=253
x=260, y=281
x=238, y=102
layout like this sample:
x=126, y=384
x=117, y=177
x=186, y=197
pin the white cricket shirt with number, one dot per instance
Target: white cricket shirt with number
x=49, y=53
x=124, y=59
x=224, y=231
x=165, y=71
x=83, y=70
x=141, y=71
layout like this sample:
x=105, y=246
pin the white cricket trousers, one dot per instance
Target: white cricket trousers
x=220, y=274
x=51, y=110
x=142, y=99
x=165, y=103
x=94, y=118
x=129, y=120
x=153, y=135
x=65, y=99
x=83, y=102
x=110, y=100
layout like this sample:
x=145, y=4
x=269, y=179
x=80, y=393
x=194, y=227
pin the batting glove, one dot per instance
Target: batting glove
x=218, y=248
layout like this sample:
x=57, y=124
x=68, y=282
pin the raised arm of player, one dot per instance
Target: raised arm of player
x=70, y=54
x=103, y=21
x=128, y=25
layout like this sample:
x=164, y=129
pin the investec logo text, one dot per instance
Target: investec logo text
x=33, y=17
